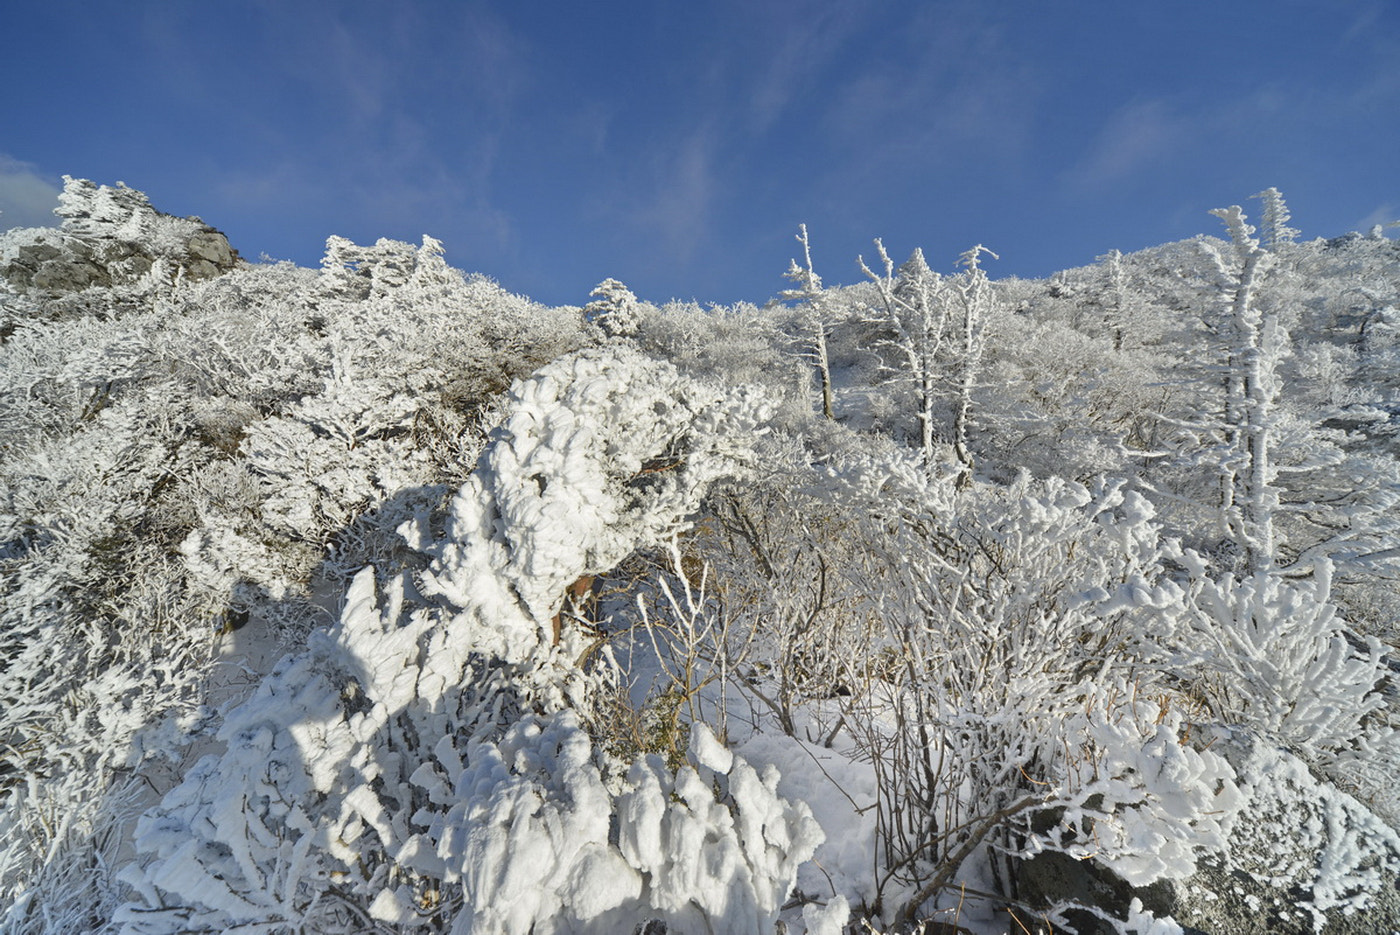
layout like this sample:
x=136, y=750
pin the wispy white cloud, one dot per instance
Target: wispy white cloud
x=1139, y=136
x=1385, y=215
x=678, y=200
x=27, y=198
x=386, y=147
x=590, y=125
x=1365, y=16
x=258, y=187
x=947, y=89
x=806, y=45
x=1380, y=89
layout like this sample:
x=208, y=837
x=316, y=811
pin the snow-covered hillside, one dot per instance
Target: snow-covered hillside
x=374, y=598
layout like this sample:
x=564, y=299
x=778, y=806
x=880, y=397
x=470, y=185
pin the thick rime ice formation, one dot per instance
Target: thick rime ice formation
x=600, y=452
x=395, y=765
x=708, y=848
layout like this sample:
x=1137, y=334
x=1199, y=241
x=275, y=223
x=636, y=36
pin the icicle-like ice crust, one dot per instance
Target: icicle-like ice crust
x=419, y=764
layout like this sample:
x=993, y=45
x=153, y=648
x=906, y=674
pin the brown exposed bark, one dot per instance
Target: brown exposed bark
x=580, y=599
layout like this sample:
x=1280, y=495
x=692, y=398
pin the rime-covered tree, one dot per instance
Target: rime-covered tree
x=973, y=304
x=614, y=310
x=1116, y=296
x=1257, y=342
x=813, y=313
x=1273, y=220
x=915, y=311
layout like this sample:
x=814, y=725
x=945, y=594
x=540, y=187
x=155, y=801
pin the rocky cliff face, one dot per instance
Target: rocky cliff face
x=111, y=236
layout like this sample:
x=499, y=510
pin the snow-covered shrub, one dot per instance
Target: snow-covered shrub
x=56, y=375
x=1136, y=796
x=539, y=843
x=401, y=313
x=343, y=402
x=1272, y=654
x=1058, y=401
x=776, y=556
x=1017, y=655
x=103, y=654
x=734, y=345
x=374, y=775
x=388, y=268
x=245, y=338
x=333, y=455
x=599, y=452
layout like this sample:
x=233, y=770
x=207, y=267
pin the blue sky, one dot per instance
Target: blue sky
x=677, y=146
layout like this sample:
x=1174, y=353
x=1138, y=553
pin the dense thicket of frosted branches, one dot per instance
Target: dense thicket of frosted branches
x=375, y=598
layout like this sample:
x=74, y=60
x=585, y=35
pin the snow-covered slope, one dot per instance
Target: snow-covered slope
x=589, y=620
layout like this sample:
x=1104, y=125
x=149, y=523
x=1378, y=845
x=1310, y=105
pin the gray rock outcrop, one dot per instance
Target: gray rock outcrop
x=110, y=236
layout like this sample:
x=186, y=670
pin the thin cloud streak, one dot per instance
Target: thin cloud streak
x=1138, y=137
x=679, y=200
x=27, y=198
x=1386, y=216
x=805, y=48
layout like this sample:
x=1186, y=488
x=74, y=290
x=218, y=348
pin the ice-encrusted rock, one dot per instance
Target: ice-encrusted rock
x=1302, y=858
x=110, y=236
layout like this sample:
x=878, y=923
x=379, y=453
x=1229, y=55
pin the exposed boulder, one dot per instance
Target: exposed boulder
x=1095, y=893
x=209, y=254
x=110, y=236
